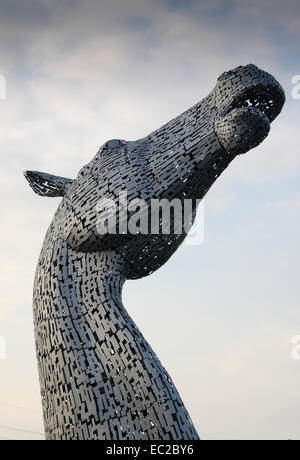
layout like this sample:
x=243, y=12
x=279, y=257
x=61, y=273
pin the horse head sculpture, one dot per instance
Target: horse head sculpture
x=100, y=379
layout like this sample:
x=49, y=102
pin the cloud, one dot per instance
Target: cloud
x=259, y=371
x=79, y=73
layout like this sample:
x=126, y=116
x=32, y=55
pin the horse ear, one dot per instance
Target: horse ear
x=46, y=184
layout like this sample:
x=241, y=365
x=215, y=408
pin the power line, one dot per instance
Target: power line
x=19, y=407
x=20, y=430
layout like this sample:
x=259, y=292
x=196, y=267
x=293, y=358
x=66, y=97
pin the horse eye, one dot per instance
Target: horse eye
x=226, y=75
x=113, y=143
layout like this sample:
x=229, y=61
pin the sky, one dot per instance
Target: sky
x=222, y=315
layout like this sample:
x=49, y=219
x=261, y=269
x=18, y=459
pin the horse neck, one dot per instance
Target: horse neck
x=100, y=379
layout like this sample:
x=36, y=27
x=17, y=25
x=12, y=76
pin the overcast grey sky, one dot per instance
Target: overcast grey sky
x=221, y=316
